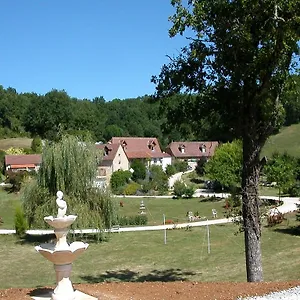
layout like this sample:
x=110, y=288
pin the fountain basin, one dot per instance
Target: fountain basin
x=62, y=222
x=62, y=256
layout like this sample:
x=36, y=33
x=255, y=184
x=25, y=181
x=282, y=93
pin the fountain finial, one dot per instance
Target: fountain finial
x=62, y=205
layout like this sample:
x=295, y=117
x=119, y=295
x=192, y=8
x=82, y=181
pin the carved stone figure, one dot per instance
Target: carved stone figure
x=62, y=205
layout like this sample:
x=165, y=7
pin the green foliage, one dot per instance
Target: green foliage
x=133, y=220
x=200, y=168
x=282, y=169
x=2, y=161
x=226, y=164
x=181, y=190
x=189, y=191
x=285, y=141
x=21, y=224
x=158, y=179
x=139, y=170
x=170, y=170
x=119, y=179
x=131, y=188
x=291, y=100
x=15, y=151
x=37, y=145
x=180, y=165
x=69, y=166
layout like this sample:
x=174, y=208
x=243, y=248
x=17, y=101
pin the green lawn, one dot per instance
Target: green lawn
x=287, y=140
x=140, y=256
x=8, y=201
x=174, y=209
x=268, y=191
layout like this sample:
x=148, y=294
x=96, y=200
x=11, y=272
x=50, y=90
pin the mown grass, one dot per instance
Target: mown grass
x=143, y=256
x=15, y=142
x=287, y=140
x=8, y=202
x=173, y=209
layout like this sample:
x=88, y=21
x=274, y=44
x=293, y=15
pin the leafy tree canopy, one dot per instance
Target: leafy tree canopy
x=226, y=165
x=70, y=166
x=282, y=169
x=235, y=66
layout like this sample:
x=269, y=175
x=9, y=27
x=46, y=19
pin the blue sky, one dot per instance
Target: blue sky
x=89, y=48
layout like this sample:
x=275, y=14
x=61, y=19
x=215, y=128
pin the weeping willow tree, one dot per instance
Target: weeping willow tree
x=70, y=166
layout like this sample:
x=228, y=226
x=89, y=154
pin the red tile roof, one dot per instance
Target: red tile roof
x=109, y=150
x=24, y=159
x=192, y=149
x=139, y=147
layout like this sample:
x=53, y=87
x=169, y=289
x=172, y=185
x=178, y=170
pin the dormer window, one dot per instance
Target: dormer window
x=124, y=144
x=202, y=148
x=106, y=151
x=151, y=145
x=181, y=148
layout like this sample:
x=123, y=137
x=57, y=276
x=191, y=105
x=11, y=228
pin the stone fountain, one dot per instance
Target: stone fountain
x=62, y=255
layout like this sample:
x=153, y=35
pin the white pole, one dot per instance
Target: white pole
x=165, y=231
x=208, y=238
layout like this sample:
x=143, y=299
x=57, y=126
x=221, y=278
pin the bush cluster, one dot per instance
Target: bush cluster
x=21, y=224
x=181, y=165
x=133, y=220
x=119, y=179
x=131, y=188
x=182, y=190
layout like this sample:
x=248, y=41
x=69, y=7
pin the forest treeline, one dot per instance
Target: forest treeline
x=30, y=114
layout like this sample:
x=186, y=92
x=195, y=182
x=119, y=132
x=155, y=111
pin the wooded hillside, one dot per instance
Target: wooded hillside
x=47, y=116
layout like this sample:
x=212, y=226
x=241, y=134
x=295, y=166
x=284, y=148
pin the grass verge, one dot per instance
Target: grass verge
x=143, y=256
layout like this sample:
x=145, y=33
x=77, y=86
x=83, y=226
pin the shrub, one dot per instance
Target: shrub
x=131, y=188
x=180, y=165
x=133, y=220
x=21, y=224
x=200, y=168
x=139, y=169
x=119, y=179
x=182, y=190
x=37, y=145
x=158, y=179
x=170, y=170
x=189, y=191
x=14, y=151
x=294, y=191
x=179, y=188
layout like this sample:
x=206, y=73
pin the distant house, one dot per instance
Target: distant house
x=114, y=159
x=192, y=151
x=145, y=148
x=24, y=162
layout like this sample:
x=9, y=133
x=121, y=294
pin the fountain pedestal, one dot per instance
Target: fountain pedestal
x=61, y=254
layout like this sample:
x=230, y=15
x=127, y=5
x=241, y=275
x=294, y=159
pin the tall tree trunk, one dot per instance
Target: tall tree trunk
x=251, y=219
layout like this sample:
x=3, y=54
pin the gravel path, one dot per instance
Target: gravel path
x=178, y=290
x=290, y=294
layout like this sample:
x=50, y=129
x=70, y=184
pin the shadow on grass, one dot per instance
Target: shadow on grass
x=36, y=239
x=197, y=180
x=293, y=230
x=127, y=275
x=51, y=238
x=38, y=292
x=210, y=199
